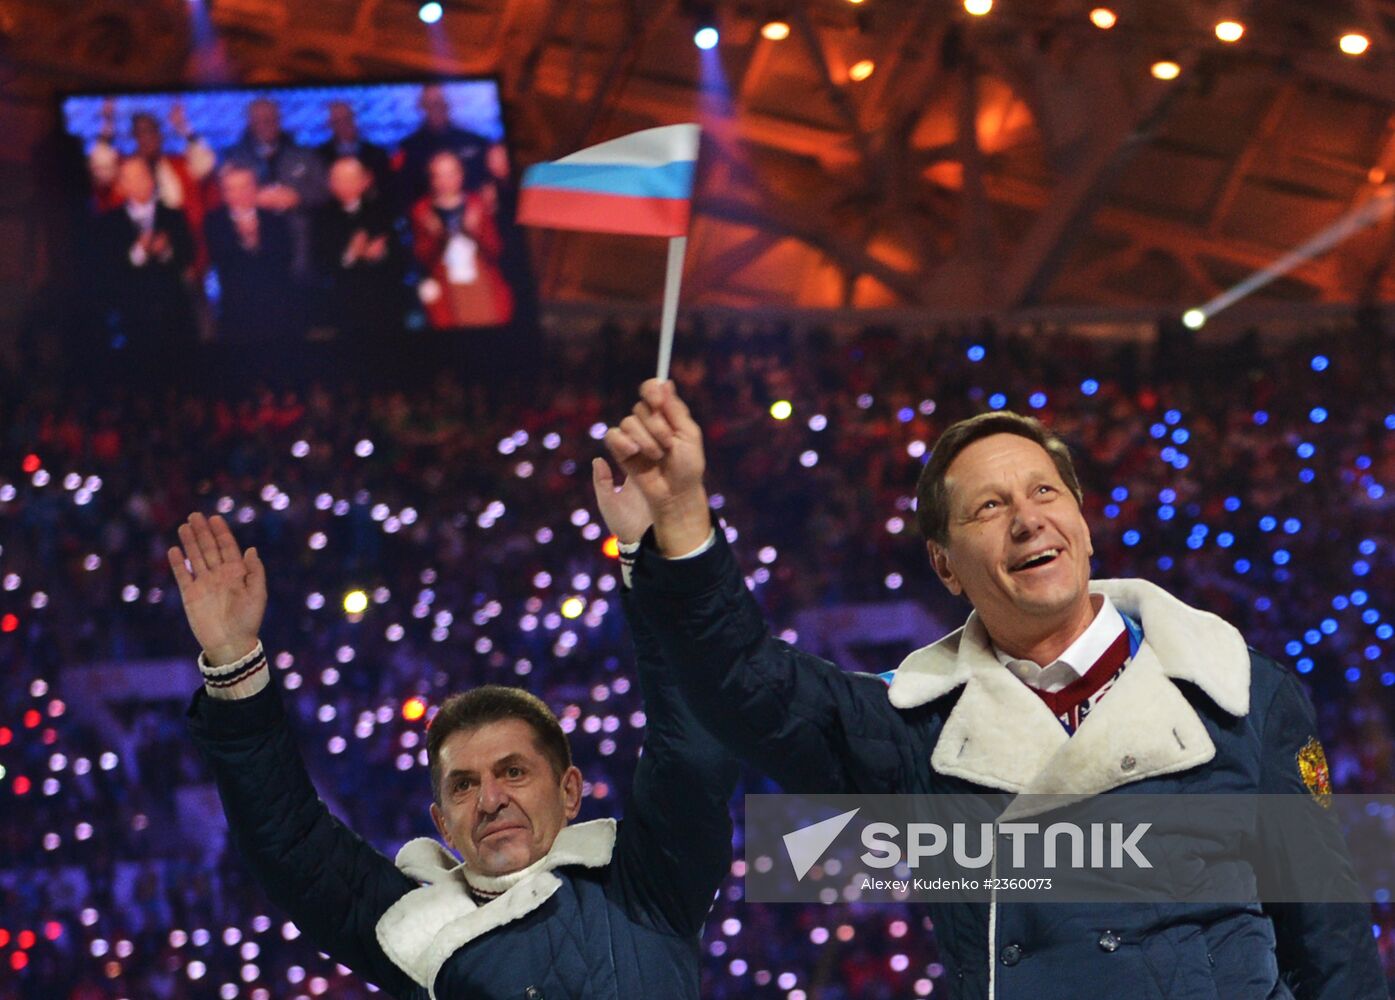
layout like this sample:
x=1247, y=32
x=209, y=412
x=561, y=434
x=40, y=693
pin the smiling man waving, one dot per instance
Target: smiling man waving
x=1056, y=684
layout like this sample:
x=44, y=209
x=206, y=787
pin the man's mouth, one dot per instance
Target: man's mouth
x=500, y=828
x=1036, y=560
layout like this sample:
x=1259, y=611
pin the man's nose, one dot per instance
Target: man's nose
x=1026, y=520
x=493, y=795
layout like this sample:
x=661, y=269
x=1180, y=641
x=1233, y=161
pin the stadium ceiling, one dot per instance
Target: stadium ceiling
x=1022, y=158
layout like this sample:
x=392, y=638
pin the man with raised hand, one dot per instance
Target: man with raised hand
x=540, y=907
x=1056, y=684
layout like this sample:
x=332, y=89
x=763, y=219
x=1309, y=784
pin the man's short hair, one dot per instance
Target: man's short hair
x=496, y=703
x=931, y=495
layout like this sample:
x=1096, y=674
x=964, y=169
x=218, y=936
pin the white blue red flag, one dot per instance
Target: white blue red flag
x=639, y=185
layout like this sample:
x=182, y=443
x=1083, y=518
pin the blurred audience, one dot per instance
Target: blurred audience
x=1256, y=485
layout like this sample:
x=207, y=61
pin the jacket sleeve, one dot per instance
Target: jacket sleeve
x=1325, y=949
x=332, y=883
x=673, y=847
x=798, y=718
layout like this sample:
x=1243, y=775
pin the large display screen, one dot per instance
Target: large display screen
x=360, y=212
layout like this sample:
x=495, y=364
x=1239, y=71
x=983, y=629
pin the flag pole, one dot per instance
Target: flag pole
x=677, y=247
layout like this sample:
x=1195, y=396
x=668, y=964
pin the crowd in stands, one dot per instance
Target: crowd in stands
x=1256, y=483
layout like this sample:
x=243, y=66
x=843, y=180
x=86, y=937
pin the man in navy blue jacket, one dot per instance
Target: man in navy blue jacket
x=1056, y=685
x=539, y=907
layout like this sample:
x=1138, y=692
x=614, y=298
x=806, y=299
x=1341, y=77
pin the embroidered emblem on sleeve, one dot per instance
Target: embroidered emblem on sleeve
x=1312, y=766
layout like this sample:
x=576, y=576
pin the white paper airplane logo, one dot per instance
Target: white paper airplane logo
x=806, y=845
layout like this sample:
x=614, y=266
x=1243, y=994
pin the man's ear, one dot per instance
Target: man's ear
x=439, y=818
x=939, y=561
x=571, y=792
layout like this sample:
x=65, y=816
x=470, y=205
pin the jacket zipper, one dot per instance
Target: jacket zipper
x=993, y=919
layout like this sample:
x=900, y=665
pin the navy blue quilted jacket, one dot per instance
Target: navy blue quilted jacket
x=1194, y=712
x=619, y=917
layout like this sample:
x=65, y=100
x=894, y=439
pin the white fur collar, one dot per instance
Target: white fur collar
x=426, y=926
x=1002, y=735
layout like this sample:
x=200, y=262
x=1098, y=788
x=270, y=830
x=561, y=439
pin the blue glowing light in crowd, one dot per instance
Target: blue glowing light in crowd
x=1036, y=400
x=1385, y=631
x=1375, y=491
x=1263, y=604
x=1111, y=510
x=1167, y=494
x=1305, y=450
x=1390, y=422
x=1312, y=637
x=1181, y=461
x=706, y=37
x=1281, y=557
x=1131, y=538
x=1319, y=363
x=997, y=401
x=1164, y=562
x=1370, y=616
x=1195, y=542
x=1328, y=626
x=1305, y=665
x=1267, y=523
x=430, y=13
x=1363, y=461
x=1340, y=603
x=1181, y=436
x=1232, y=504
x=1361, y=567
x=1306, y=475
x=1225, y=539
x=1168, y=454
x=1293, y=647
x=976, y=352
x=1387, y=679
x=1261, y=418
x=1367, y=547
x=1353, y=674
x=1166, y=512
x=1172, y=416
x=905, y=414
x=1317, y=414
x=1089, y=387
x=1157, y=430
x=1242, y=565
x=1359, y=597
x=1292, y=526
x=1119, y=494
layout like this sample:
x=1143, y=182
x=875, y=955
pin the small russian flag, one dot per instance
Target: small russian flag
x=637, y=185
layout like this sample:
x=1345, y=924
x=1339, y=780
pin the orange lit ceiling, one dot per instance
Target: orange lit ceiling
x=1012, y=160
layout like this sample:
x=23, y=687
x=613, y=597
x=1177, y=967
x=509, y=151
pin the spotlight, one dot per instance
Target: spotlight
x=1354, y=43
x=1166, y=69
x=1229, y=31
x=1103, y=18
x=978, y=8
x=430, y=13
x=775, y=31
x=1193, y=319
x=706, y=37
x=861, y=70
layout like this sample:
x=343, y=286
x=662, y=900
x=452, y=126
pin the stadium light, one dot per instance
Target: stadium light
x=431, y=12
x=1354, y=43
x=706, y=37
x=775, y=31
x=1103, y=18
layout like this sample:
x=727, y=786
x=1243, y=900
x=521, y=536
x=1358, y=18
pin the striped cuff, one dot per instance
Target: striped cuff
x=628, y=552
x=240, y=679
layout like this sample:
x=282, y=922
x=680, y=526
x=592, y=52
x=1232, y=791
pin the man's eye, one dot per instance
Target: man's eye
x=463, y=785
x=988, y=505
x=515, y=772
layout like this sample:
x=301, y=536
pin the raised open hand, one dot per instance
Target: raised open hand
x=224, y=594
